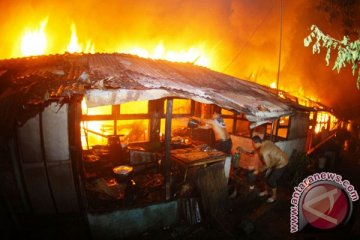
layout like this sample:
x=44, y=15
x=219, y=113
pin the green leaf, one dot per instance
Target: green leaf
x=329, y=43
x=327, y=57
x=347, y=51
x=354, y=66
x=355, y=55
x=314, y=48
x=324, y=42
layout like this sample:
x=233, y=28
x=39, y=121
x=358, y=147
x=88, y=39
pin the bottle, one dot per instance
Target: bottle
x=235, y=160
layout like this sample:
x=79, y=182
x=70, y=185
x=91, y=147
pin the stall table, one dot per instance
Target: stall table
x=193, y=157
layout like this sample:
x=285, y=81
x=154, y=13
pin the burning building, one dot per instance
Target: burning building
x=103, y=135
x=107, y=136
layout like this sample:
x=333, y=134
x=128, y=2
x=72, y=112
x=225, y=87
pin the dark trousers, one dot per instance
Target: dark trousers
x=224, y=146
x=273, y=177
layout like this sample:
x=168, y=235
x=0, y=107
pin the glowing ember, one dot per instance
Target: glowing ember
x=34, y=41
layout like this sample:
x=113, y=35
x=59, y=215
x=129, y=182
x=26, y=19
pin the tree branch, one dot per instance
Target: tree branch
x=347, y=51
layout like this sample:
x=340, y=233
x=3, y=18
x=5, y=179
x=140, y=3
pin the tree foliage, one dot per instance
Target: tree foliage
x=347, y=52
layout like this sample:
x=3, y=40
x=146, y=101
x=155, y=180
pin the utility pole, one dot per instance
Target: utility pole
x=280, y=46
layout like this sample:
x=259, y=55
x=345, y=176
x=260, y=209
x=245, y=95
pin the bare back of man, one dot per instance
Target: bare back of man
x=222, y=138
x=220, y=132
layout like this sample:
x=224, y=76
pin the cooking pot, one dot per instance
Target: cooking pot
x=122, y=173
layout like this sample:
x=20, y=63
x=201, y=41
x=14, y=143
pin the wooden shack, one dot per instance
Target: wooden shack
x=59, y=112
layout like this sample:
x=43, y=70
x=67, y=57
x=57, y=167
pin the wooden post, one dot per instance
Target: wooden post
x=156, y=110
x=169, y=107
x=75, y=145
x=272, y=130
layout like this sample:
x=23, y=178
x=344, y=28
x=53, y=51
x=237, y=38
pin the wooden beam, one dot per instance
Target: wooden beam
x=169, y=108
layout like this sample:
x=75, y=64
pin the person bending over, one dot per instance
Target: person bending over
x=275, y=162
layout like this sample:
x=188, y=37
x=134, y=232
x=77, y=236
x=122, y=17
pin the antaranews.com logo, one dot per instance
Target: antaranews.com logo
x=322, y=200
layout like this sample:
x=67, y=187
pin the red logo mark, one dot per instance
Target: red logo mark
x=325, y=206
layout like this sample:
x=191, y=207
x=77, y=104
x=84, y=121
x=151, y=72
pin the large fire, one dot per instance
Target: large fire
x=34, y=42
x=40, y=40
x=324, y=120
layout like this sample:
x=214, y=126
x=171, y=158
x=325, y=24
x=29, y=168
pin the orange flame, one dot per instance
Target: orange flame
x=195, y=55
x=325, y=120
x=34, y=41
x=75, y=47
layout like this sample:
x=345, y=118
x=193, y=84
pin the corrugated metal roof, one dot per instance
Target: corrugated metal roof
x=116, y=78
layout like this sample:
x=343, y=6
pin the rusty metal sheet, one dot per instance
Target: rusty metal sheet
x=108, y=79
